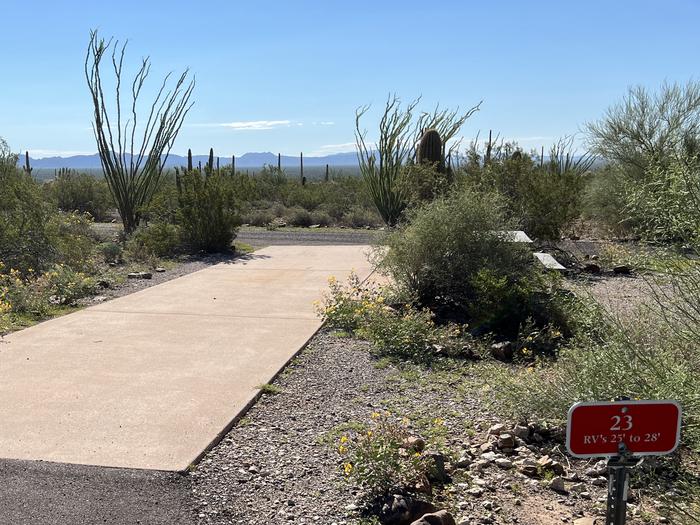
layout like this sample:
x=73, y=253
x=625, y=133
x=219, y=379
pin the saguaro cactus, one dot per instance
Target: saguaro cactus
x=210, y=163
x=279, y=162
x=189, y=160
x=27, y=167
x=430, y=149
x=301, y=168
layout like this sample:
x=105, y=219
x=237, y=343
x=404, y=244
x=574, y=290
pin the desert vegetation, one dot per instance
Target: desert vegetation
x=463, y=297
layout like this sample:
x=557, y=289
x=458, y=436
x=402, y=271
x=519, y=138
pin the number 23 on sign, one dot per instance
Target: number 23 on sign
x=645, y=428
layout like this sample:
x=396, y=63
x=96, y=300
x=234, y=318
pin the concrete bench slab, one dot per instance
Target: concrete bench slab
x=548, y=261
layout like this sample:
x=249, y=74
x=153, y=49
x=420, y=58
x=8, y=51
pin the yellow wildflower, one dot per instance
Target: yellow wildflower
x=348, y=468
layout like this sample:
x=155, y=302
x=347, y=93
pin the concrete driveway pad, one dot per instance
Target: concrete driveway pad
x=150, y=380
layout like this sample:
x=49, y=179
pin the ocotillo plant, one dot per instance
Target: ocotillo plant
x=430, y=149
x=27, y=167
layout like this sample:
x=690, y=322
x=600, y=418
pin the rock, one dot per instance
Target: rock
x=464, y=461
x=578, y=488
x=585, y=521
x=557, y=485
x=600, y=482
x=558, y=468
x=441, y=517
x=475, y=491
x=415, y=443
x=591, y=267
x=139, y=275
x=503, y=463
x=622, y=269
x=315, y=226
x=488, y=505
x=436, y=468
x=489, y=456
x=485, y=447
x=497, y=429
x=505, y=441
x=160, y=269
x=502, y=351
x=528, y=467
x=521, y=432
x=585, y=495
x=404, y=510
x=99, y=298
x=103, y=284
x=545, y=462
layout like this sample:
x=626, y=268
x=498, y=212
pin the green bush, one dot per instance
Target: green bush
x=111, y=252
x=24, y=241
x=380, y=458
x=321, y=218
x=82, y=193
x=452, y=260
x=654, y=357
x=358, y=217
x=543, y=198
x=208, y=211
x=155, y=240
x=299, y=217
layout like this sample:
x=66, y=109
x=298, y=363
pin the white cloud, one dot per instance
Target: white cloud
x=327, y=123
x=249, y=125
x=43, y=153
x=257, y=124
x=330, y=149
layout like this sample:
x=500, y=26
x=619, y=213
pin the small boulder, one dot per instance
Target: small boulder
x=415, y=443
x=505, y=441
x=436, y=468
x=557, y=485
x=591, y=267
x=441, y=517
x=502, y=351
x=503, y=463
x=622, y=269
x=497, y=429
x=521, y=432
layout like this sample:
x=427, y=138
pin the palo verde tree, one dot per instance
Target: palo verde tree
x=133, y=154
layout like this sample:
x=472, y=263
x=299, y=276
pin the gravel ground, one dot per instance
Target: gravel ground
x=279, y=465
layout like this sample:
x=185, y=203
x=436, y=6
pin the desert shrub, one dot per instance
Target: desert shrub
x=163, y=206
x=71, y=240
x=358, y=217
x=380, y=458
x=321, y=218
x=66, y=285
x=451, y=259
x=543, y=198
x=259, y=218
x=604, y=200
x=208, y=212
x=24, y=242
x=652, y=142
x=111, y=252
x=82, y=193
x=422, y=183
x=23, y=295
x=299, y=217
x=155, y=240
x=412, y=335
x=349, y=306
x=664, y=205
x=653, y=358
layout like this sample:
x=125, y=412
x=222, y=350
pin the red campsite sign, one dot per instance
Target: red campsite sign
x=645, y=427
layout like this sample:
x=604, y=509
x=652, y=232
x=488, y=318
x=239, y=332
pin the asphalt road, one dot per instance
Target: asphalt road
x=41, y=493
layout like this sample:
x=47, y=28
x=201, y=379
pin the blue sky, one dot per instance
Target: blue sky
x=287, y=76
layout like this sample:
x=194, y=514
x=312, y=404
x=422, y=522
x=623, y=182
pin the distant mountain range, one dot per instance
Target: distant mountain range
x=248, y=160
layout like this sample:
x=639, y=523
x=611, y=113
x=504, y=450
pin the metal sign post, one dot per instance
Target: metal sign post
x=624, y=431
x=618, y=485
